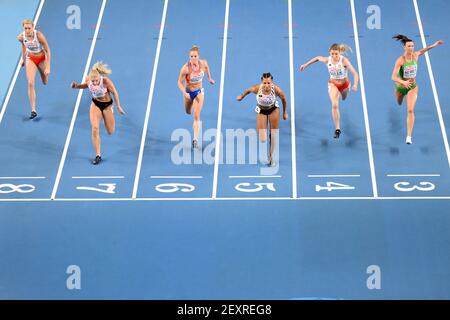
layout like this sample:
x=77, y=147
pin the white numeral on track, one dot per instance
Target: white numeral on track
x=331, y=186
x=174, y=187
x=110, y=188
x=259, y=186
x=407, y=186
x=20, y=188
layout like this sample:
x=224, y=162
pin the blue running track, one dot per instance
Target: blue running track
x=156, y=220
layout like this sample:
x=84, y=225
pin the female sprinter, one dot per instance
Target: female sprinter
x=101, y=89
x=192, y=73
x=35, y=56
x=267, y=110
x=339, y=83
x=404, y=76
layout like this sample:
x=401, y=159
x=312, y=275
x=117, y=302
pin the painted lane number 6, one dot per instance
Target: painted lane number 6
x=174, y=187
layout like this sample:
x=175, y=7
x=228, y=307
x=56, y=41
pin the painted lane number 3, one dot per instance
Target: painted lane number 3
x=407, y=186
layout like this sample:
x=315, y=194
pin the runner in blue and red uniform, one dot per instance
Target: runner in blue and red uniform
x=192, y=74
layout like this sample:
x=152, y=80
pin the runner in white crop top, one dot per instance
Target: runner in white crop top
x=339, y=83
x=36, y=57
x=267, y=110
x=101, y=89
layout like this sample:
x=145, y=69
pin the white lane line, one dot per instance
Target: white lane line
x=364, y=102
x=239, y=177
x=149, y=101
x=77, y=104
x=98, y=177
x=225, y=199
x=176, y=177
x=413, y=175
x=433, y=84
x=20, y=178
x=16, y=74
x=334, y=176
x=292, y=92
x=219, y=113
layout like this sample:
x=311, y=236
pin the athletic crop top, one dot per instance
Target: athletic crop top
x=408, y=70
x=337, y=71
x=33, y=46
x=97, y=91
x=266, y=100
x=192, y=77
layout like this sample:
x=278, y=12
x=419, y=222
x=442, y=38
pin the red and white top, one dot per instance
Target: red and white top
x=337, y=71
x=33, y=46
x=97, y=91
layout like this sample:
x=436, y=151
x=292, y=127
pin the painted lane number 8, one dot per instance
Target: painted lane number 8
x=21, y=188
x=407, y=186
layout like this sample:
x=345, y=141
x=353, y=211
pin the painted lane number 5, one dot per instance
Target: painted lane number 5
x=259, y=186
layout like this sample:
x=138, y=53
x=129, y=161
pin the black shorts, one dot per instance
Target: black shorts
x=264, y=111
x=102, y=105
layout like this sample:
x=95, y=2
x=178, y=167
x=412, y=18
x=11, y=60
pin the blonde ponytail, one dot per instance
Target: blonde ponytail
x=194, y=48
x=342, y=48
x=345, y=48
x=100, y=68
x=27, y=21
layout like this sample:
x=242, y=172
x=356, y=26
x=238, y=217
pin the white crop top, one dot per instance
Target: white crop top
x=97, y=91
x=337, y=71
x=33, y=46
x=266, y=100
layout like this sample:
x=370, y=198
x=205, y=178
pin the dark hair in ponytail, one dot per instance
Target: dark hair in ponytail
x=402, y=38
x=266, y=75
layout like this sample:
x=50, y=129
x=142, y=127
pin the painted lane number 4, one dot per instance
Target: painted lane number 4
x=332, y=186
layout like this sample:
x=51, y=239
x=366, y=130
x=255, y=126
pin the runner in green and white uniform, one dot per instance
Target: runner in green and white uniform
x=407, y=71
x=404, y=75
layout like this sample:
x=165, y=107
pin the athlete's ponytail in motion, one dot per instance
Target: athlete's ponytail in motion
x=341, y=47
x=100, y=68
x=403, y=39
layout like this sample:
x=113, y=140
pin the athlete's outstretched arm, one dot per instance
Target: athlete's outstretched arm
x=22, y=60
x=313, y=60
x=254, y=89
x=434, y=45
x=48, y=55
x=112, y=89
x=348, y=64
x=282, y=96
x=208, y=72
x=75, y=85
x=181, y=86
